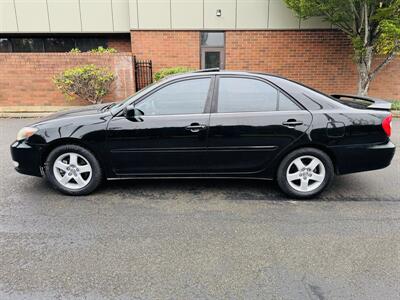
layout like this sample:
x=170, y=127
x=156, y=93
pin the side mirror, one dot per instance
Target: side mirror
x=132, y=113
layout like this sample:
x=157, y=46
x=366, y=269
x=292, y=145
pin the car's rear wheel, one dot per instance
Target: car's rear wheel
x=305, y=173
x=73, y=170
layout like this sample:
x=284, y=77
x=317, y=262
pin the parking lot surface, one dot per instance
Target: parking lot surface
x=198, y=239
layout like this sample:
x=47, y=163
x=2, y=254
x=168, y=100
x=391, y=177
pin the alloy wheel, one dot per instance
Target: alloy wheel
x=72, y=170
x=305, y=173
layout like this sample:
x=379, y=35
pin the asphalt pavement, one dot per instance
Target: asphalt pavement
x=198, y=239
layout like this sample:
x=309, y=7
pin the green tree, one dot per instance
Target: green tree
x=373, y=27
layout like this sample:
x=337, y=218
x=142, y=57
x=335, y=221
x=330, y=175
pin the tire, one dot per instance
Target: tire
x=73, y=170
x=305, y=173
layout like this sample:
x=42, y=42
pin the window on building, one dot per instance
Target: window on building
x=27, y=44
x=5, y=45
x=212, y=50
x=86, y=44
x=212, y=39
x=183, y=97
x=51, y=44
x=246, y=95
x=59, y=44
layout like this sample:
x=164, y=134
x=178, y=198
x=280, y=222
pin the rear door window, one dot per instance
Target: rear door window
x=245, y=95
x=236, y=94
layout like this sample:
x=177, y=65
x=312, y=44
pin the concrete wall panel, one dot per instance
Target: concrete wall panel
x=187, y=14
x=281, y=17
x=228, y=18
x=96, y=16
x=8, y=20
x=252, y=14
x=121, y=15
x=64, y=15
x=154, y=14
x=133, y=14
x=32, y=15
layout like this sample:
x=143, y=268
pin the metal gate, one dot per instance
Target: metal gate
x=143, y=73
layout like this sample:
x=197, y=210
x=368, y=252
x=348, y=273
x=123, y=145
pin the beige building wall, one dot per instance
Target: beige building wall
x=187, y=14
x=44, y=16
x=64, y=16
x=61, y=16
x=252, y=14
x=8, y=20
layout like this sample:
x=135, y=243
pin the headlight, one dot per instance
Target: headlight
x=26, y=132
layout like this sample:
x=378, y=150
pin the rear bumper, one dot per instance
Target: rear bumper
x=26, y=158
x=358, y=158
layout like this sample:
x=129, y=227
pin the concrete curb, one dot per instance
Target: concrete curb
x=30, y=111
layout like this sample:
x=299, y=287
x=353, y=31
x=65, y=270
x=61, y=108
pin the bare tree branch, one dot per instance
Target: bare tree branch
x=386, y=61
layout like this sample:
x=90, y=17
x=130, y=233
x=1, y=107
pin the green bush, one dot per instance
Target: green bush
x=170, y=71
x=87, y=82
x=396, y=105
x=75, y=50
x=101, y=49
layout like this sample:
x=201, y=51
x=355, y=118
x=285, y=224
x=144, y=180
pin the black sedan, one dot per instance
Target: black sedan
x=211, y=124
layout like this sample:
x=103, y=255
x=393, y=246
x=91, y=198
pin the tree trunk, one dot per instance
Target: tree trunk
x=364, y=71
x=363, y=80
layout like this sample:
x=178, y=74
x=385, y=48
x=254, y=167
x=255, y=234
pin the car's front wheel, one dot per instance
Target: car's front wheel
x=73, y=170
x=305, y=173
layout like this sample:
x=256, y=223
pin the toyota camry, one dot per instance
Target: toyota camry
x=210, y=123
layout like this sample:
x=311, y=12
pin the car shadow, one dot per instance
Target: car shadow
x=346, y=188
x=343, y=188
x=227, y=189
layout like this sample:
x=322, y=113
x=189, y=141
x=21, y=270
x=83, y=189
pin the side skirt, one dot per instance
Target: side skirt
x=189, y=177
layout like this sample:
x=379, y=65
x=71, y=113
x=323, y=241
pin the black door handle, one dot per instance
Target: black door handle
x=196, y=127
x=292, y=123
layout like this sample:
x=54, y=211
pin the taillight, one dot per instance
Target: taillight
x=387, y=125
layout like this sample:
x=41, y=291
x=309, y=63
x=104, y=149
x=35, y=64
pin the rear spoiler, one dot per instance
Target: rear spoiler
x=375, y=103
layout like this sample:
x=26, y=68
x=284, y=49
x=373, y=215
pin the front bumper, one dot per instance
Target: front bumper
x=26, y=158
x=359, y=158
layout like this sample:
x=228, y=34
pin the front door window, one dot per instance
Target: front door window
x=182, y=97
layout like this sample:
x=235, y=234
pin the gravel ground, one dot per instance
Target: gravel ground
x=198, y=239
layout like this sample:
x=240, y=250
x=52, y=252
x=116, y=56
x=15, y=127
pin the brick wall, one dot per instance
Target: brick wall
x=387, y=83
x=25, y=78
x=321, y=59
x=167, y=48
x=121, y=44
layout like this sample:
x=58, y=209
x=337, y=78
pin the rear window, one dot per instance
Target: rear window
x=310, y=98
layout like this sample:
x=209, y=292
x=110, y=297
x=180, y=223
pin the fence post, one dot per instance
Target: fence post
x=151, y=71
x=135, y=73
